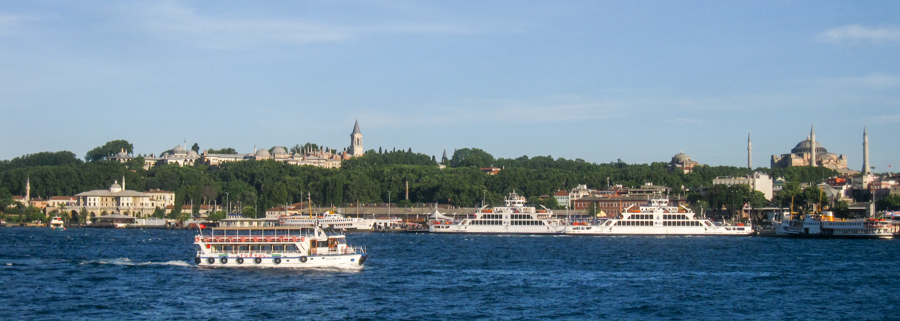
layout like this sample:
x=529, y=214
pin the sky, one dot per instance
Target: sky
x=595, y=80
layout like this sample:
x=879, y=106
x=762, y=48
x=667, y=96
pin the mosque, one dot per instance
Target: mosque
x=810, y=153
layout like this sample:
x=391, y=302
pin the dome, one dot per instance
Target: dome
x=278, y=150
x=805, y=147
x=262, y=153
x=178, y=149
x=122, y=153
x=115, y=187
x=193, y=154
x=681, y=156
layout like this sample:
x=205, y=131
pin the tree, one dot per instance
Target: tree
x=471, y=157
x=889, y=203
x=227, y=150
x=109, y=149
x=195, y=148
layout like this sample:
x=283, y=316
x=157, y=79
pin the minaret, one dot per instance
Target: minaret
x=356, y=141
x=749, y=152
x=812, y=140
x=123, y=182
x=866, y=169
x=444, y=159
x=28, y=189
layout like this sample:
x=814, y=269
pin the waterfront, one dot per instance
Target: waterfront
x=146, y=274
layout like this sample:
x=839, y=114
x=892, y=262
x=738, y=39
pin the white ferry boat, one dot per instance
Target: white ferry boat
x=56, y=223
x=826, y=226
x=658, y=219
x=261, y=243
x=513, y=218
x=338, y=221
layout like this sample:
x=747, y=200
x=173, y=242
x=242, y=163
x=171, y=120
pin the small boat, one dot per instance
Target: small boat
x=260, y=243
x=56, y=223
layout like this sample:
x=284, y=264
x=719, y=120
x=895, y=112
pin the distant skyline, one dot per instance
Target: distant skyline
x=595, y=80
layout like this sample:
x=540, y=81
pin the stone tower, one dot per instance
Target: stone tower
x=866, y=169
x=356, y=146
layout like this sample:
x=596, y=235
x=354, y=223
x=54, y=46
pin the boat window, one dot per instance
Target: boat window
x=265, y=248
x=278, y=248
x=290, y=248
x=243, y=248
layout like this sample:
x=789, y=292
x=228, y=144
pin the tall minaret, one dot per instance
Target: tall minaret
x=749, y=152
x=28, y=189
x=356, y=146
x=812, y=140
x=866, y=169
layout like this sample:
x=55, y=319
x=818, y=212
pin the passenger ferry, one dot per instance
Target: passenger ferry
x=826, y=226
x=513, y=218
x=56, y=223
x=264, y=243
x=338, y=221
x=658, y=219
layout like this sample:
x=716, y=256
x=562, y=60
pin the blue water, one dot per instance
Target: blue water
x=148, y=275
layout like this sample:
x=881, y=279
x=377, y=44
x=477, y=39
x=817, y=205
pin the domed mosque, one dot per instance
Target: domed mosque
x=803, y=155
x=682, y=162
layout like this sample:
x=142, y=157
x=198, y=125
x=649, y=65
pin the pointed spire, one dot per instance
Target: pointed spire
x=356, y=128
x=749, y=152
x=812, y=144
x=866, y=169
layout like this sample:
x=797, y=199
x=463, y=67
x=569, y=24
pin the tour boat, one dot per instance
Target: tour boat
x=826, y=226
x=243, y=243
x=658, y=218
x=338, y=221
x=56, y=223
x=513, y=218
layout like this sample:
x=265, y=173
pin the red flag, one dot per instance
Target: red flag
x=202, y=226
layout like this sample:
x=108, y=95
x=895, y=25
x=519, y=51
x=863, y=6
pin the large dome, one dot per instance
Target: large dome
x=278, y=150
x=178, y=149
x=806, y=146
x=262, y=153
x=681, y=156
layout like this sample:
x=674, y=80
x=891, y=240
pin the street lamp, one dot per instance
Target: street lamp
x=227, y=207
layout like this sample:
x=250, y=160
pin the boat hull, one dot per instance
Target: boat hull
x=695, y=231
x=347, y=261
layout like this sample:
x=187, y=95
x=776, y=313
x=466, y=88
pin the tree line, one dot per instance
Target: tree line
x=376, y=177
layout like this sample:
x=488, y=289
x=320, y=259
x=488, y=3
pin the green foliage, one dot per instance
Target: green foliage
x=888, y=203
x=471, y=157
x=227, y=150
x=216, y=216
x=63, y=158
x=111, y=148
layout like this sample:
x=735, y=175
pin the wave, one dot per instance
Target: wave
x=128, y=262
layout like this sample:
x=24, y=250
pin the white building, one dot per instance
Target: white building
x=757, y=181
x=119, y=200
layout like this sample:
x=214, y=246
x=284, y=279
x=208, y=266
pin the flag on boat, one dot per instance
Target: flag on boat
x=202, y=226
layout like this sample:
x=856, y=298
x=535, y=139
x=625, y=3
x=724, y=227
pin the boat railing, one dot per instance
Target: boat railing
x=249, y=239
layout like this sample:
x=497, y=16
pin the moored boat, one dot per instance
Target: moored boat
x=658, y=218
x=245, y=242
x=826, y=226
x=512, y=218
x=56, y=223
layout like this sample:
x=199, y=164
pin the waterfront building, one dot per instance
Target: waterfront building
x=562, y=198
x=614, y=206
x=117, y=199
x=809, y=153
x=757, y=181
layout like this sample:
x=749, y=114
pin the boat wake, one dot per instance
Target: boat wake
x=128, y=262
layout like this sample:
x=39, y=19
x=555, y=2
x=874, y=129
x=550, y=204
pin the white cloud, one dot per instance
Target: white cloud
x=238, y=31
x=850, y=34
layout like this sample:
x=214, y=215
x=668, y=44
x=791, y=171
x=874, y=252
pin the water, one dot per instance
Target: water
x=149, y=275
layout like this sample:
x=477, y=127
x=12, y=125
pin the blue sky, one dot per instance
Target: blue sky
x=597, y=80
